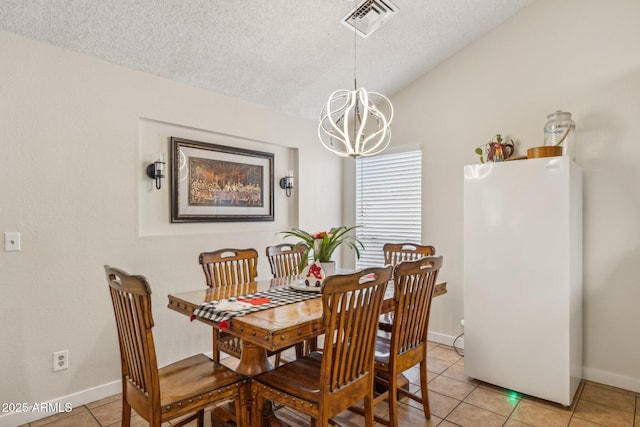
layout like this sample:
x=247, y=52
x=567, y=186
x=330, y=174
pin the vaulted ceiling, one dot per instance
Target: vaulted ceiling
x=287, y=55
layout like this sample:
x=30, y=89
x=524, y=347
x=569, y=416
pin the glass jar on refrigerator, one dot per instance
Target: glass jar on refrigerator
x=560, y=130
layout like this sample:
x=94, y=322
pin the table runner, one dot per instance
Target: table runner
x=277, y=297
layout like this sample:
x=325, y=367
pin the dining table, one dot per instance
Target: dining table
x=276, y=328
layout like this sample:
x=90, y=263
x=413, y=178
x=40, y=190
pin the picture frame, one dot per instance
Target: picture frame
x=218, y=183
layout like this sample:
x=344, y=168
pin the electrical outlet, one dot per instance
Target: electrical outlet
x=11, y=241
x=60, y=360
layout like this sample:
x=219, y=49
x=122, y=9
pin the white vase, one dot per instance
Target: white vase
x=329, y=267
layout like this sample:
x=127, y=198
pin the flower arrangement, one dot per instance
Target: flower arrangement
x=324, y=243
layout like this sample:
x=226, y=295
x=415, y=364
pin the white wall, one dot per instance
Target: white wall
x=75, y=136
x=577, y=55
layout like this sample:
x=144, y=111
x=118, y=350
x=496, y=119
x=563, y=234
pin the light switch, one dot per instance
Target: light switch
x=11, y=241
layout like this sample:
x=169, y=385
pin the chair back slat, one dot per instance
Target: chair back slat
x=131, y=297
x=351, y=306
x=414, y=283
x=229, y=266
x=395, y=253
x=284, y=259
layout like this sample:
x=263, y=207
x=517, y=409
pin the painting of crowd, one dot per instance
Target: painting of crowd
x=220, y=183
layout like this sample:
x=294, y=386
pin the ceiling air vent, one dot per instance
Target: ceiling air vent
x=369, y=15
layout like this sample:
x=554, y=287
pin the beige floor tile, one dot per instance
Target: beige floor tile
x=450, y=387
x=612, y=388
x=351, y=419
x=431, y=345
x=492, y=401
x=108, y=413
x=444, y=353
x=577, y=422
x=54, y=418
x=514, y=423
x=457, y=371
x=138, y=421
x=293, y=418
x=414, y=404
x=413, y=375
x=81, y=419
x=609, y=397
x=437, y=366
x=472, y=416
x=439, y=404
x=104, y=401
x=603, y=415
x=550, y=405
x=502, y=390
x=414, y=417
x=539, y=415
x=446, y=423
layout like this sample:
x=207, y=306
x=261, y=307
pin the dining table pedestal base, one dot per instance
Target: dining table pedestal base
x=253, y=361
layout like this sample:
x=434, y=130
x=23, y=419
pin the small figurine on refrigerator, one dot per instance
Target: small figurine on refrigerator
x=496, y=150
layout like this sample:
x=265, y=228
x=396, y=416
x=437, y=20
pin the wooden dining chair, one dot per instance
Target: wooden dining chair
x=324, y=384
x=284, y=259
x=181, y=388
x=406, y=346
x=228, y=267
x=394, y=254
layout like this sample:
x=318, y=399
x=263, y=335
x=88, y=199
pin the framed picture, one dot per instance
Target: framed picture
x=212, y=183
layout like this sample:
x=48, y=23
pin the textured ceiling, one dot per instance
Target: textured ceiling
x=287, y=55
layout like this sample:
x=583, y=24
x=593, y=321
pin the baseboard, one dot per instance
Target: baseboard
x=37, y=410
x=611, y=379
x=446, y=339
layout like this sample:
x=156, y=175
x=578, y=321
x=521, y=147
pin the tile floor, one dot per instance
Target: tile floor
x=456, y=400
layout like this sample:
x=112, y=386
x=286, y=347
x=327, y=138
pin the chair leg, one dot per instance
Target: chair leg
x=424, y=389
x=276, y=361
x=368, y=410
x=257, y=408
x=241, y=411
x=392, y=398
x=126, y=413
x=200, y=418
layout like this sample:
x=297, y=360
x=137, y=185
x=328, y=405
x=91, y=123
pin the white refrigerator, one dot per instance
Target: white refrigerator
x=523, y=276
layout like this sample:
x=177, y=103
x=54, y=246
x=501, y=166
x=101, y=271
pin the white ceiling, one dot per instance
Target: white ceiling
x=287, y=55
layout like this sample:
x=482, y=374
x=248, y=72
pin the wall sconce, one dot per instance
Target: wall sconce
x=286, y=183
x=156, y=170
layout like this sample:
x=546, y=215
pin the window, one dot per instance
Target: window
x=388, y=203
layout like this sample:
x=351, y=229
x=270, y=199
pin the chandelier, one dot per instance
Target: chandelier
x=355, y=122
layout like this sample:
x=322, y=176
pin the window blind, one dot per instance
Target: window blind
x=388, y=203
